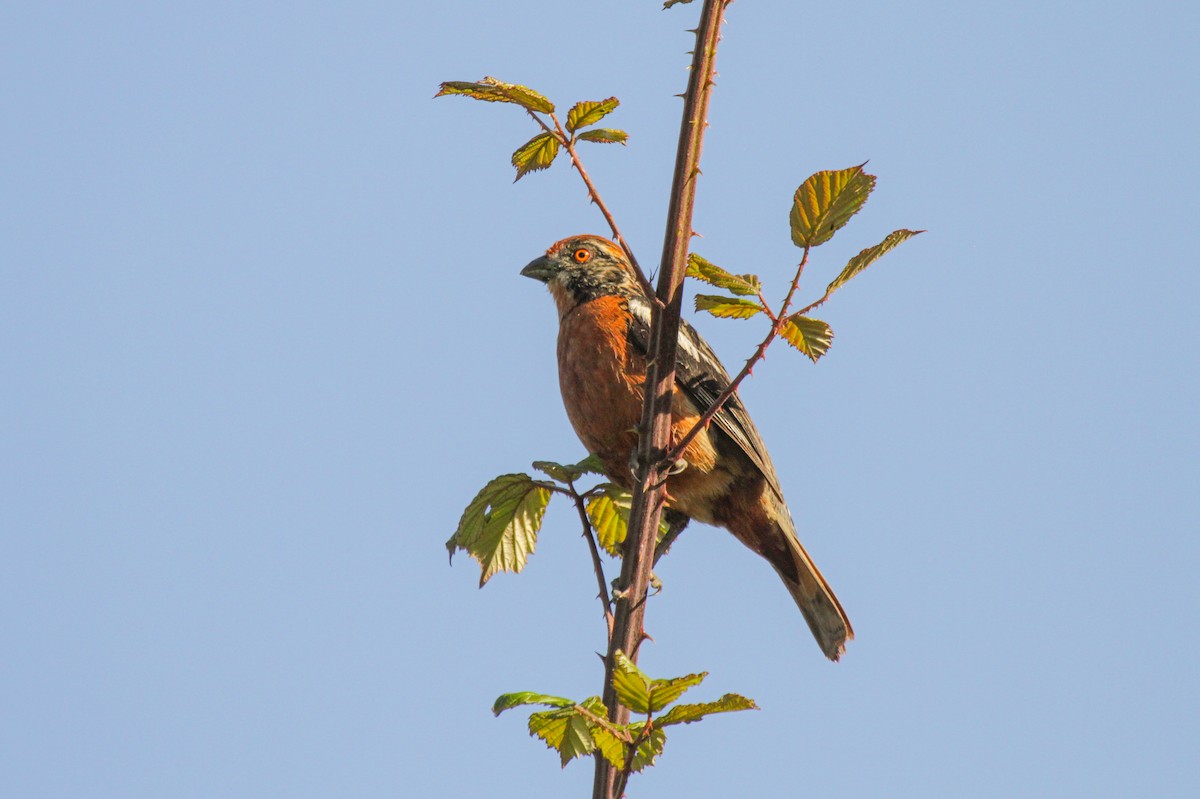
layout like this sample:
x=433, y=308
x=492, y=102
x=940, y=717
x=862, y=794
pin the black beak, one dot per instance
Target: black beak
x=540, y=269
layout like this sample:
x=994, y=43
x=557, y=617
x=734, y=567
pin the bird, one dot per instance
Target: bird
x=726, y=478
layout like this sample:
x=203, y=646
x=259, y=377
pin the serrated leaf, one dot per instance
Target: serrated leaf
x=826, y=201
x=714, y=275
x=611, y=739
x=869, y=256
x=509, y=701
x=611, y=747
x=589, y=112
x=591, y=465
x=811, y=336
x=494, y=91
x=727, y=307
x=559, y=472
x=537, y=153
x=664, y=692
x=670, y=3
x=605, y=136
x=610, y=523
x=499, y=527
x=609, y=515
x=563, y=730
x=650, y=747
x=631, y=684
x=687, y=714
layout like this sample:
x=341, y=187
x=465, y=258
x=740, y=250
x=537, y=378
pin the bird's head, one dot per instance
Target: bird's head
x=581, y=268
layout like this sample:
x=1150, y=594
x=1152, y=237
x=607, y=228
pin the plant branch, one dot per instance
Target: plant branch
x=643, y=734
x=597, y=564
x=654, y=431
x=568, y=143
x=777, y=323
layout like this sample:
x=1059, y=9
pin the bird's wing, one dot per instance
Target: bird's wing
x=700, y=375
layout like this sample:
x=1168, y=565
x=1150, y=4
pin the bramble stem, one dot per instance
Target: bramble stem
x=654, y=430
x=597, y=564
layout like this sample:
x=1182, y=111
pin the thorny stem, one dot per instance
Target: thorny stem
x=654, y=429
x=597, y=564
x=568, y=142
x=777, y=323
x=623, y=778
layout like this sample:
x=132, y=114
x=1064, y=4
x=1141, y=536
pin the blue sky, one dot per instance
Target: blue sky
x=263, y=338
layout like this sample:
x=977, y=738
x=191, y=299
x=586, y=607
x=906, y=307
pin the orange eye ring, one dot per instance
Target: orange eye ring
x=582, y=256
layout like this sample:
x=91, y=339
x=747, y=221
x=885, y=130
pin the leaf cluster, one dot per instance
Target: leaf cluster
x=540, y=151
x=574, y=729
x=499, y=527
x=821, y=206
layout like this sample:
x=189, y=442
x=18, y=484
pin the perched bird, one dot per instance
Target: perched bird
x=727, y=478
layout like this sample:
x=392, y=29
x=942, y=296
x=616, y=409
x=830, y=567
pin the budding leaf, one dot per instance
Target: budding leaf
x=727, y=307
x=714, y=275
x=589, y=112
x=631, y=684
x=500, y=526
x=495, y=91
x=811, y=336
x=605, y=135
x=826, y=201
x=537, y=153
x=686, y=714
x=869, y=256
x=664, y=692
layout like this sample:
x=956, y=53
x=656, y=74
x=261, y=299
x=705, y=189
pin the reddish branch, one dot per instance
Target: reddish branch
x=777, y=323
x=568, y=143
x=654, y=430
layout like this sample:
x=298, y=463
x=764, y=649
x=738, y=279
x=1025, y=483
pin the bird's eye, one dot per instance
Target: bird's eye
x=582, y=256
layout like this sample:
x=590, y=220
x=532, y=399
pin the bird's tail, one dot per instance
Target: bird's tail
x=766, y=527
x=816, y=600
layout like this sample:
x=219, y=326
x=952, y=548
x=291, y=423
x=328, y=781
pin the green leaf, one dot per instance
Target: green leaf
x=714, y=275
x=500, y=526
x=591, y=465
x=727, y=307
x=589, y=112
x=810, y=336
x=610, y=518
x=869, y=256
x=609, y=745
x=559, y=472
x=495, y=91
x=611, y=739
x=650, y=747
x=563, y=730
x=537, y=153
x=609, y=515
x=686, y=714
x=670, y=3
x=605, y=136
x=631, y=684
x=826, y=201
x=509, y=701
x=664, y=692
